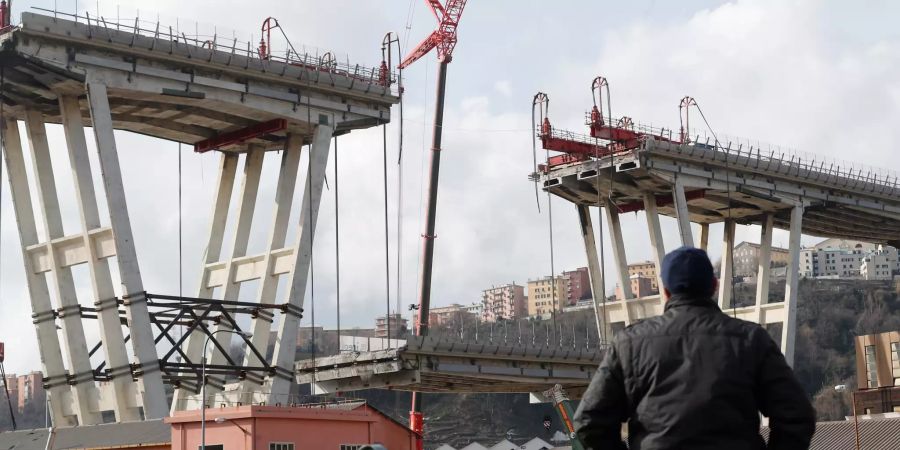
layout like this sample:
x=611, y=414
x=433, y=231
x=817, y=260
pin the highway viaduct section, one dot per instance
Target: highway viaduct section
x=94, y=78
x=696, y=182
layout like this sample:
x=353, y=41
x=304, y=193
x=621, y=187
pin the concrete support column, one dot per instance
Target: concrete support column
x=227, y=170
x=152, y=393
x=789, y=329
x=246, y=204
x=60, y=276
x=656, y=238
x=284, y=197
x=598, y=293
x=682, y=213
x=619, y=256
x=765, y=264
x=41, y=305
x=704, y=237
x=111, y=336
x=726, y=272
x=286, y=342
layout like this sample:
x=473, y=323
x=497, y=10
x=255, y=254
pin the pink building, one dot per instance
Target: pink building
x=326, y=426
x=503, y=303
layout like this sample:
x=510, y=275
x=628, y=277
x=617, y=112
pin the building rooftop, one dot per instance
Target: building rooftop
x=110, y=435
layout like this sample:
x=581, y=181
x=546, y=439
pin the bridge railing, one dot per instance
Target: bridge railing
x=775, y=159
x=323, y=62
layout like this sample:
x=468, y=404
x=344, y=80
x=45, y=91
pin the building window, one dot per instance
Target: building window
x=871, y=368
x=212, y=447
x=281, y=446
x=351, y=446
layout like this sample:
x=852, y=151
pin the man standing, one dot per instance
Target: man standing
x=694, y=378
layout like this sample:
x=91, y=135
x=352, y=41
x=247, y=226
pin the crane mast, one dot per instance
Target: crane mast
x=444, y=40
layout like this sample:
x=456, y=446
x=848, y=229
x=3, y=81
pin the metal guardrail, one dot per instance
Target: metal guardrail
x=325, y=62
x=749, y=153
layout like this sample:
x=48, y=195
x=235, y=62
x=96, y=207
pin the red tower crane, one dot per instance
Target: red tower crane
x=444, y=39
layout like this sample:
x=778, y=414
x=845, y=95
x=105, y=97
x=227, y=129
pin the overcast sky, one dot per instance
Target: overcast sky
x=818, y=77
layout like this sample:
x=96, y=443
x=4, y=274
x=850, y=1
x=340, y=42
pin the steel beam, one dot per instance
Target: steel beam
x=41, y=306
x=111, y=336
x=789, y=329
x=286, y=341
x=150, y=379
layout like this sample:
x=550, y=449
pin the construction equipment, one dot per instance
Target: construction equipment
x=607, y=135
x=12, y=416
x=444, y=39
x=566, y=411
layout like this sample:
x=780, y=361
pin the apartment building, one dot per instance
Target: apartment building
x=644, y=269
x=746, y=258
x=503, y=302
x=396, y=323
x=641, y=286
x=839, y=258
x=444, y=315
x=880, y=264
x=878, y=373
x=25, y=389
x=542, y=301
x=578, y=286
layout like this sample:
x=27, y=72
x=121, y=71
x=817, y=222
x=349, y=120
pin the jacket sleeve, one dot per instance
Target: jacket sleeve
x=792, y=419
x=604, y=406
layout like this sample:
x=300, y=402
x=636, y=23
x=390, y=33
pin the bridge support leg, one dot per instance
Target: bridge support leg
x=704, y=236
x=619, y=256
x=42, y=309
x=765, y=264
x=789, y=329
x=60, y=275
x=726, y=272
x=598, y=293
x=656, y=238
x=227, y=170
x=286, y=341
x=284, y=196
x=246, y=204
x=150, y=380
x=684, y=216
x=111, y=336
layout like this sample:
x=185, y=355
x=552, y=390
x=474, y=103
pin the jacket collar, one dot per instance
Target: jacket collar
x=679, y=300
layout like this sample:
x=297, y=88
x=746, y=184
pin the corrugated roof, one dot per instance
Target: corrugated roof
x=874, y=434
x=107, y=435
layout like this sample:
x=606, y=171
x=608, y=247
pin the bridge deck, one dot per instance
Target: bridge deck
x=426, y=364
x=843, y=203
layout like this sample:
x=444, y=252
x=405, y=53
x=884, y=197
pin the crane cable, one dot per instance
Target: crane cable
x=602, y=320
x=337, y=244
x=728, y=196
x=387, y=258
x=312, y=272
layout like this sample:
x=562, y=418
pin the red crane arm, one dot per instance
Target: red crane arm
x=444, y=37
